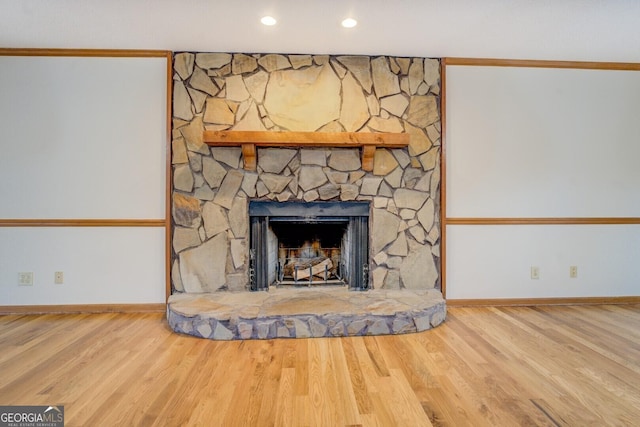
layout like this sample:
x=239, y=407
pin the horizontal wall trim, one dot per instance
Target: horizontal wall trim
x=543, y=221
x=86, y=52
x=543, y=301
x=83, y=223
x=490, y=62
x=83, y=308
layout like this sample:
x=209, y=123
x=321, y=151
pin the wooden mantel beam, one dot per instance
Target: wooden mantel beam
x=308, y=139
x=249, y=140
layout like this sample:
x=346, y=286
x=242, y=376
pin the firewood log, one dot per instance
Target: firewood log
x=316, y=270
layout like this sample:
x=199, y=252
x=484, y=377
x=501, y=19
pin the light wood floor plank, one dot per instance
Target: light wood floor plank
x=359, y=389
x=285, y=398
x=485, y=366
x=527, y=354
x=349, y=393
x=563, y=376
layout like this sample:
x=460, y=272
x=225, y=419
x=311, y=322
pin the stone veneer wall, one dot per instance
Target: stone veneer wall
x=221, y=91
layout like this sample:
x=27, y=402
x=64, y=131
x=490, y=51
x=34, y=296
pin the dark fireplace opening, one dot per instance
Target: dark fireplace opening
x=310, y=253
x=309, y=244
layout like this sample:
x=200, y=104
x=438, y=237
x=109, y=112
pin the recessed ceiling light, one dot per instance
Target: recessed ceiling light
x=268, y=20
x=349, y=23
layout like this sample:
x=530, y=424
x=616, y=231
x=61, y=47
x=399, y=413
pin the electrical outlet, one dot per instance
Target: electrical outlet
x=25, y=278
x=58, y=278
x=573, y=271
x=535, y=272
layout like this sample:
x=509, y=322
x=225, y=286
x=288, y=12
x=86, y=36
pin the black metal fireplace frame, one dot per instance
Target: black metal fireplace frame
x=355, y=213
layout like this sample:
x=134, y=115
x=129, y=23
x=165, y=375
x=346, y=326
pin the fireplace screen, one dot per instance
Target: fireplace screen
x=309, y=244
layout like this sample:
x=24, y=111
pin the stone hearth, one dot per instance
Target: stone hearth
x=304, y=313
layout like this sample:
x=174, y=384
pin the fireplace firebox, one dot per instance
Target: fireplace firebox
x=309, y=244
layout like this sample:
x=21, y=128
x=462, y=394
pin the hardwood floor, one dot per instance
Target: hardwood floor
x=507, y=366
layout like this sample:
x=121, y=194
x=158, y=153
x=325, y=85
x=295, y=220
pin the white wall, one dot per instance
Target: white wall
x=488, y=262
x=542, y=143
x=534, y=142
x=110, y=265
x=83, y=138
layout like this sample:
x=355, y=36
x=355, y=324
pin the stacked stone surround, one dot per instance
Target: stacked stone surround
x=211, y=190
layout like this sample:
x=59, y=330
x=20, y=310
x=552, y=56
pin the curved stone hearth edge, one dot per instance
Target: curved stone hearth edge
x=305, y=313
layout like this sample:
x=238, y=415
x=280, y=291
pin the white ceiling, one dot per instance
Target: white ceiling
x=581, y=30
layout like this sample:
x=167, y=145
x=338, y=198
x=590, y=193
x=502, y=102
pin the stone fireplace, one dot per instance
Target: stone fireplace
x=230, y=230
